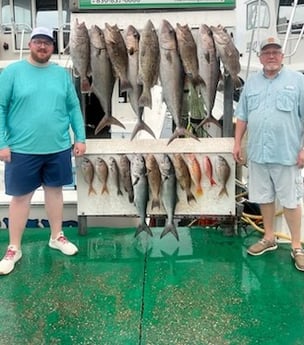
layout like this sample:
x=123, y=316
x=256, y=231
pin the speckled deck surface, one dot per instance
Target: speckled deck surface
x=118, y=290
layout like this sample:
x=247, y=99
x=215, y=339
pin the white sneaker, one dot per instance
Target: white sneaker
x=63, y=244
x=11, y=256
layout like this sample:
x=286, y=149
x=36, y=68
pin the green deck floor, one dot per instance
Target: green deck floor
x=202, y=290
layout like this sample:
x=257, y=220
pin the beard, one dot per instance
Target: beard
x=41, y=56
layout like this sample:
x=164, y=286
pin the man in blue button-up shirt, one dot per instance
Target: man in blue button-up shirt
x=271, y=109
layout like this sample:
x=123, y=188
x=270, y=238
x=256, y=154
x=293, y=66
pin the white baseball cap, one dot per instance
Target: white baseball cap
x=42, y=31
x=270, y=41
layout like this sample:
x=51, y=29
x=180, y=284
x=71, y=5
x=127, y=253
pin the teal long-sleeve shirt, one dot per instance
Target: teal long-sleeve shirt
x=38, y=106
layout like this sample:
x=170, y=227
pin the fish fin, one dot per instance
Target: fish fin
x=91, y=190
x=141, y=125
x=143, y=228
x=131, y=197
x=108, y=121
x=125, y=85
x=237, y=82
x=105, y=190
x=155, y=203
x=198, y=80
x=145, y=100
x=223, y=191
x=207, y=119
x=85, y=85
x=136, y=180
x=170, y=228
x=199, y=190
x=212, y=181
x=179, y=132
x=190, y=197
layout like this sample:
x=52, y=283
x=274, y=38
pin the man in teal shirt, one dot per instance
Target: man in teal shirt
x=271, y=108
x=38, y=106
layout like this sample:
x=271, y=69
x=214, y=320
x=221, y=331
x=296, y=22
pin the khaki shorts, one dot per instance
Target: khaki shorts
x=267, y=182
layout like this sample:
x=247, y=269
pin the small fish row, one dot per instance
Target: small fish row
x=140, y=59
x=159, y=177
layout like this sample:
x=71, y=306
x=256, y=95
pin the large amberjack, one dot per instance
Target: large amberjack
x=168, y=193
x=188, y=52
x=132, y=39
x=228, y=52
x=209, y=70
x=141, y=192
x=148, y=63
x=172, y=78
x=118, y=54
x=103, y=79
x=79, y=46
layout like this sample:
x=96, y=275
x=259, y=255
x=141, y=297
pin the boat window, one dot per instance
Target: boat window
x=257, y=15
x=58, y=21
x=284, y=14
x=5, y=16
x=17, y=18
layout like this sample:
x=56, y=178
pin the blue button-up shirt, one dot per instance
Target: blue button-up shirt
x=274, y=112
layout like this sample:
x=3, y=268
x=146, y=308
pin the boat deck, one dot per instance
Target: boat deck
x=202, y=290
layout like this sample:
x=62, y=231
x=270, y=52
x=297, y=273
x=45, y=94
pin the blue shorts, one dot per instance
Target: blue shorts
x=26, y=172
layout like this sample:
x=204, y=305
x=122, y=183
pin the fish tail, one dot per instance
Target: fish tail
x=141, y=126
x=105, y=189
x=131, y=197
x=223, y=191
x=91, y=190
x=237, y=82
x=143, y=227
x=125, y=85
x=108, y=121
x=145, y=100
x=181, y=132
x=155, y=203
x=199, y=190
x=212, y=181
x=170, y=228
x=198, y=80
x=190, y=197
x=85, y=85
x=209, y=118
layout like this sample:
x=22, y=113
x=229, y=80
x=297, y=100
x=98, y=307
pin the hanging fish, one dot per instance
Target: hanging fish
x=102, y=172
x=87, y=169
x=222, y=170
x=154, y=179
x=183, y=175
x=196, y=173
x=132, y=43
x=148, y=63
x=208, y=169
x=125, y=170
x=168, y=194
x=118, y=54
x=141, y=192
x=114, y=170
x=79, y=45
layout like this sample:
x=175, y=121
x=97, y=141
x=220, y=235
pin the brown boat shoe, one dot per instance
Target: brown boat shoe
x=298, y=256
x=261, y=247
